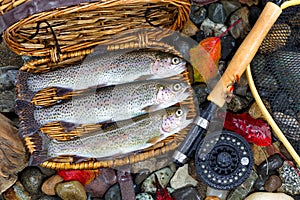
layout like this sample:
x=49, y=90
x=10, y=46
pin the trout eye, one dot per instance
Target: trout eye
x=177, y=86
x=179, y=113
x=175, y=61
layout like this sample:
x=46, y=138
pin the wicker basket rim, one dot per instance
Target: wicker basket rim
x=23, y=9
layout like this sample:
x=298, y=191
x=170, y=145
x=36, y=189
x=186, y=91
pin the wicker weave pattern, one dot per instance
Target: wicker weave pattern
x=86, y=25
x=7, y=5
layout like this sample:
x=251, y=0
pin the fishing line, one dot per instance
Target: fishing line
x=58, y=50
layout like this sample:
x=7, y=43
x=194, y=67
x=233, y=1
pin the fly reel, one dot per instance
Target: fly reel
x=224, y=160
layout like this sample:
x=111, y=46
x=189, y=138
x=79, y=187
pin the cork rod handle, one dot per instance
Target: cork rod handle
x=245, y=53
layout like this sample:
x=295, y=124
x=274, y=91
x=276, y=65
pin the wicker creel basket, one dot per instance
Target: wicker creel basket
x=62, y=35
x=56, y=131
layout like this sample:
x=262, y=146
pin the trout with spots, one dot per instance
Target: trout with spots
x=130, y=136
x=106, y=104
x=102, y=70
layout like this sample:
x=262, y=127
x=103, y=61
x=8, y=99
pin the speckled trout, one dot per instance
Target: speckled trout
x=131, y=136
x=106, y=104
x=103, y=70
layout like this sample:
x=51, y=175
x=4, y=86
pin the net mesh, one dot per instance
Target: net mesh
x=276, y=73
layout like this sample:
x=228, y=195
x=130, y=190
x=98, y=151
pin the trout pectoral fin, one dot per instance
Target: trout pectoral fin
x=38, y=157
x=155, y=140
x=62, y=91
x=78, y=159
x=67, y=126
x=144, y=77
x=153, y=108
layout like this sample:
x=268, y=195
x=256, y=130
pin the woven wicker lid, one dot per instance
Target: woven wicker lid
x=49, y=28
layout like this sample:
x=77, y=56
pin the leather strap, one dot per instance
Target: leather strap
x=126, y=185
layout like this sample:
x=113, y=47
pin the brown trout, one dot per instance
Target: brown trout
x=103, y=70
x=106, y=104
x=131, y=136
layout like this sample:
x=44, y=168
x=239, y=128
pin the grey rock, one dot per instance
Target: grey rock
x=243, y=190
x=216, y=13
x=8, y=76
x=32, y=178
x=113, y=193
x=182, y=178
x=227, y=46
x=230, y=6
x=198, y=14
x=241, y=29
x=164, y=175
x=186, y=193
x=7, y=88
x=143, y=196
x=211, y=28
x=200, y=35
x=255, y=12
x=274, y=163
x=7, y=57
x=141, y=176
x=7, y=102
x=238, y=103
x=201, y=92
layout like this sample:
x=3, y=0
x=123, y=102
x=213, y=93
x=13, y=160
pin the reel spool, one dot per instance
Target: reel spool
x=224, y=160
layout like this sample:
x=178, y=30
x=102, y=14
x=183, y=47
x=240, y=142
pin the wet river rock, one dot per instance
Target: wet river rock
x=32, y=179
x=274, y=163
x=72, y=190
x=273, y=183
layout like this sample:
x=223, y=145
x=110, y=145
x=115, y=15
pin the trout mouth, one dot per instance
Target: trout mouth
x=184, y=95
x=175, y=122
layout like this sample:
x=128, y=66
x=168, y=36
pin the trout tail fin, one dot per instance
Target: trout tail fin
x=23, y=91
x=40, y=154
x=28, y=124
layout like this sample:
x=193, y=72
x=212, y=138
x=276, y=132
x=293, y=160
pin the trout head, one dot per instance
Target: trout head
x=166, y=65
x=174, y=120
x=172, y=92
